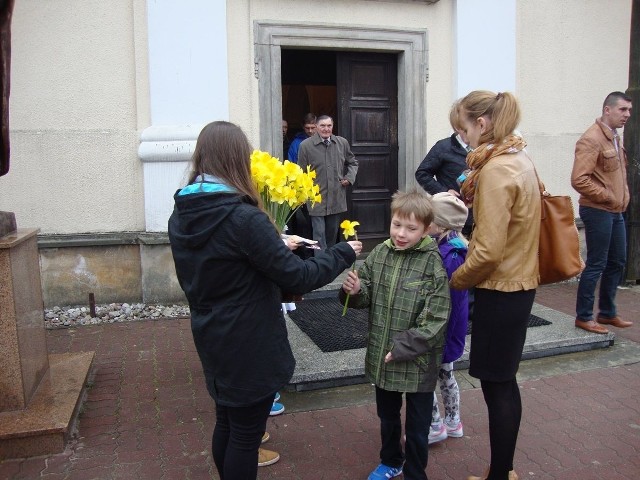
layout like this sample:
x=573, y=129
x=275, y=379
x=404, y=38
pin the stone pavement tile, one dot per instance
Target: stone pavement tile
x=57, y=465
x=562, y=297
x=102, y=450
x=11, y=468
x=97, y=472
x=562, y=435
x=148, y=415
x=145, y=469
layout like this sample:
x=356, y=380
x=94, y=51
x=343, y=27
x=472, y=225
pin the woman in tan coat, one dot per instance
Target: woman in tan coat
x=502, y=263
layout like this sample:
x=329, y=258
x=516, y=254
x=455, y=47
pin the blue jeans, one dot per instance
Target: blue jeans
x=606, y=256
x=419, y=406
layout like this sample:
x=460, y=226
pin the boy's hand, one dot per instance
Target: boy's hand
x=388, y=357
x=351, y=283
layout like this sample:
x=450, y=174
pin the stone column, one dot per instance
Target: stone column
x=22, y=335
x=40, y=394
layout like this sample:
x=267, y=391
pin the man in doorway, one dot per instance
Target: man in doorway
x=600, y=177
x=336, y=168
x=309, y=126
x=286, y=143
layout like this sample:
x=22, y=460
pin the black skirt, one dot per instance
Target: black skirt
x=499, y=331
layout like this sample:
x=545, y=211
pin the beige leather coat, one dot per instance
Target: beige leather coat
x=599, y=173
x=503, y=252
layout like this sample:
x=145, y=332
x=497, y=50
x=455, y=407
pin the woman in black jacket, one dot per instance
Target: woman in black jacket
x=233, y=268
x=440, y=170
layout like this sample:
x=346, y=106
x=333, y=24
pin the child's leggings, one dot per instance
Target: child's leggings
x=450, y=397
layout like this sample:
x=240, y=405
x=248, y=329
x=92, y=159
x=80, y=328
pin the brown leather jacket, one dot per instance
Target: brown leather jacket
x=503, y=253
x=599, y=174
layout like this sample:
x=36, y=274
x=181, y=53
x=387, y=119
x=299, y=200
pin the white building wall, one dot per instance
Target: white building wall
x=571, y=54
x=437, y=18
x=485, y=35
x=102, y=91
x=188, y=79
x=73, y=116
x=187, y=61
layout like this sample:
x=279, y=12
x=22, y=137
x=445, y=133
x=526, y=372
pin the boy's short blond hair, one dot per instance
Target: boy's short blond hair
x=413, y=201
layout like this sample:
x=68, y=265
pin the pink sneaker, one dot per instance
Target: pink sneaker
x=455, y=432
x=437, y=434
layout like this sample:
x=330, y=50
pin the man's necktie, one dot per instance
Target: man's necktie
x=327, y=142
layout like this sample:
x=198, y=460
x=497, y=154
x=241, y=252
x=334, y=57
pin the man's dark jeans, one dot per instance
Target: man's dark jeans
x=606, y=256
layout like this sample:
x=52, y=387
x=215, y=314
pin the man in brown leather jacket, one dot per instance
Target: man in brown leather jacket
x=600, y=177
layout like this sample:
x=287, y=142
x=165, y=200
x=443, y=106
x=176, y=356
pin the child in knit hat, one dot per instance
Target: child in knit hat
x=450, y=215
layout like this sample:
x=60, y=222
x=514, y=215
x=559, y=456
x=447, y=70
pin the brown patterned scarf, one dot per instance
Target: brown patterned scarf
x=479, y=157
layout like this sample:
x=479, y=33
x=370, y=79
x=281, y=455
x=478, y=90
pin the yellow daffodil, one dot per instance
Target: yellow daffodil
x=349, y=229
x=283, y=186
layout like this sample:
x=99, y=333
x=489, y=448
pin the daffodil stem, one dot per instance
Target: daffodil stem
x=346, y=305
x=346, y=302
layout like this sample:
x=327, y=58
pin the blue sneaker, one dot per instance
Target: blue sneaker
x=276, y=409
x=384, y=472
x=277, y=397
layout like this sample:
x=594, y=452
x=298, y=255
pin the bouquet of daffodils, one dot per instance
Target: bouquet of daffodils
x=283, y=186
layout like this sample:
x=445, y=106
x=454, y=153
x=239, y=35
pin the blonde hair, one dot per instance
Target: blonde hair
x=502, y=111
x=454, y=116
x=414, y=201
x=448, y=233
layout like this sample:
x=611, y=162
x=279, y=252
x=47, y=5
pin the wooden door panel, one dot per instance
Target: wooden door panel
x=368, y=112
x=369, y=82
x=373, y=173
x=375, y=217
x=369, y=126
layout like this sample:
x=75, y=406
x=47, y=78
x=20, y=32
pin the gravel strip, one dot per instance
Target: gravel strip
x=65, y=317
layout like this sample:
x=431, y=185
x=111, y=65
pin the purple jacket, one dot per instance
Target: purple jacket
x=454, y=252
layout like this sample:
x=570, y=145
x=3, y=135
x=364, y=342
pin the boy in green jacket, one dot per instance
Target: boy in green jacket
x=405, y=287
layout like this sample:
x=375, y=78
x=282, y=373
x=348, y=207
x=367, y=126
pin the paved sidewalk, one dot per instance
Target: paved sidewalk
x=147, y=414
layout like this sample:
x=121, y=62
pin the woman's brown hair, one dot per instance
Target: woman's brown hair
x=223, y=150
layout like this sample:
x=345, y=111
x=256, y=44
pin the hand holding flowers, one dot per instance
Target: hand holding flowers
x=351, y=283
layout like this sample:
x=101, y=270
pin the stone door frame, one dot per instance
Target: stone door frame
x=411, y=47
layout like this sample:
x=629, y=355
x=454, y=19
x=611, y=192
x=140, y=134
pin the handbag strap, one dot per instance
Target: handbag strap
x=543, y=190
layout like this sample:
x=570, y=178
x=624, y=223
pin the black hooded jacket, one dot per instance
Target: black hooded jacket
x=233, y=267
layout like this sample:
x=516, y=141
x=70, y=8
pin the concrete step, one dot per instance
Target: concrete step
x=316, y=369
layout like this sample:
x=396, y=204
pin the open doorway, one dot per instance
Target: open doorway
x=410, y=48
x=360, y=92
x=309, y=84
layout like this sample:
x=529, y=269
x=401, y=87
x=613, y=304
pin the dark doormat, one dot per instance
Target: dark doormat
x=319, y=316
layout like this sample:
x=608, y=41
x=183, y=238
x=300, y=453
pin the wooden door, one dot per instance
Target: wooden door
x=368, y=118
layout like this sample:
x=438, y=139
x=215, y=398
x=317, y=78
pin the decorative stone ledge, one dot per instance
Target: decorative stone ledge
x=168, y=143
x=102, y=239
